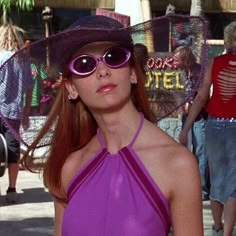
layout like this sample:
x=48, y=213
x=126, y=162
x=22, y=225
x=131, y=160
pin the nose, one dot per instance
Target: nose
x=103, y=71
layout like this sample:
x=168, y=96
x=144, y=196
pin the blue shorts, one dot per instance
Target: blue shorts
x=13, y=144
x=221, y=154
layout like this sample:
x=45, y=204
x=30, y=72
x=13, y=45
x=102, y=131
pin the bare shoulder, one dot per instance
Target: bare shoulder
x=160, y=142
x=75, y=161
x=168, y=162
x=175, y=171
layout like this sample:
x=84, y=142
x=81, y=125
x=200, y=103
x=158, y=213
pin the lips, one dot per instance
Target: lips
x=106, y=88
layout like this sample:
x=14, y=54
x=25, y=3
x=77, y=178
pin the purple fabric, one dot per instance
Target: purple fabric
x=114, y=195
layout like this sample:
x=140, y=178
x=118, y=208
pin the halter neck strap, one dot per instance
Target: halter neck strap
x=138, y=130
x=101, y=139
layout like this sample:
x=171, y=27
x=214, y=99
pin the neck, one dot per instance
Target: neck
x=118, y=129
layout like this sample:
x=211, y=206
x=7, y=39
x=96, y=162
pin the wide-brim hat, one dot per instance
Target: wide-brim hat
x=168, y=86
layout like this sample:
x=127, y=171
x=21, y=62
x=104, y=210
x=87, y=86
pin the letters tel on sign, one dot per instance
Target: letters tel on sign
x=166, y=83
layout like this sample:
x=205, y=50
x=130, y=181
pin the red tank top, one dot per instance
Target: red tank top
x=223, y=101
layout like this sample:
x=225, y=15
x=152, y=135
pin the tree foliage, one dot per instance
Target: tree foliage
x=25, y=5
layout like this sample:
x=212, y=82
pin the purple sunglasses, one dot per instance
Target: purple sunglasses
x=85, y=64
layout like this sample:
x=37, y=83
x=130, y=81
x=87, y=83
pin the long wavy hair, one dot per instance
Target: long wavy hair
x=74, y=126
x=186, y=56
x=11, y=37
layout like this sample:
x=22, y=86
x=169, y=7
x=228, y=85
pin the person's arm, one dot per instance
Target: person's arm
x=58, y=82
x=185, y=108
x=186, y=201
x=59, y=212
x=26, y=109
x=198, y=103
x=29, y=84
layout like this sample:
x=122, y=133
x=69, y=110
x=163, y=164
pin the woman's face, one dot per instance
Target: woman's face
x=106, y=88
x=178, y=63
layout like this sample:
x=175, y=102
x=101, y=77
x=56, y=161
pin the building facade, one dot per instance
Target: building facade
x=218, y=13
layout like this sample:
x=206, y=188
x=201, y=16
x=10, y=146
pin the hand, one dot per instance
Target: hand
x=183, y=137
x=57, y=83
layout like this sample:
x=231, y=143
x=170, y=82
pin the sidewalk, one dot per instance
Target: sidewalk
x=33, y=215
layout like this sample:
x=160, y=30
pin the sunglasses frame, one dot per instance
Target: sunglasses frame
x=97, y=60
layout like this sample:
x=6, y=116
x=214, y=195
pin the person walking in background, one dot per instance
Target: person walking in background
x=44, y=90
x=220, y=132
x=111, y=170
x=38, y=75
x=184, y=59
x=11, y=104
x=141, y=54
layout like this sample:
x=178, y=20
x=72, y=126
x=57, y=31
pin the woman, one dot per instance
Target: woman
x=12, y=90
x=185, y=59
x=220, y=132
x=110, y=170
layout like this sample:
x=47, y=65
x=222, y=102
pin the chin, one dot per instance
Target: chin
x=111, y=106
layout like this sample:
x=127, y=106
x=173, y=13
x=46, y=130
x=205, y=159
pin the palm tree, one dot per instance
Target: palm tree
x=20, y=4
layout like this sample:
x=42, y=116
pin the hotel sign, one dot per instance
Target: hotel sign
x=166, y=84
x=163, y=75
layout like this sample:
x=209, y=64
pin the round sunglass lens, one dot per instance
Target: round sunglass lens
x=116, y=57
x=84, y=64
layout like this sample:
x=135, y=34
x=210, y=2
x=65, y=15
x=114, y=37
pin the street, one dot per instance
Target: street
x=33, y=215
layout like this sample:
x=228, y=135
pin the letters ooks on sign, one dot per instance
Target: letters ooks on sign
x=164, y=76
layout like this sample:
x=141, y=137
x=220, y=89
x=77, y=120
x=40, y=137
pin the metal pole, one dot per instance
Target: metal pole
x=47, y=15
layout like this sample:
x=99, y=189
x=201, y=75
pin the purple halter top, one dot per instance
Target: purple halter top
x=114, y=195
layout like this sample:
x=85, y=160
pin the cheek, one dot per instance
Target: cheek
x=125, y=85
x=124, y=74
x=83, y=87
